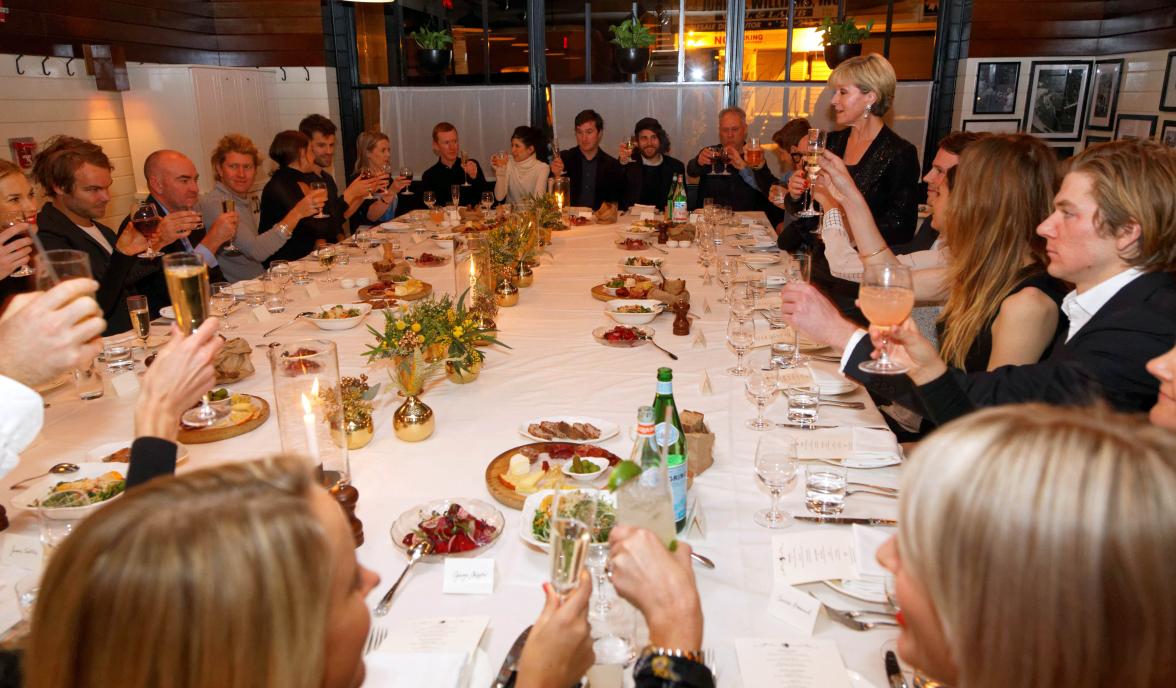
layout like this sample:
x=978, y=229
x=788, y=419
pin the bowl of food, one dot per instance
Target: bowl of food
x=72, y=496
x=628, y=285
x=451, y=527
x=634, y=311
x=584, y=468
x=220, y=399
x=636, y=232
x=340, y=316
x=642, y=265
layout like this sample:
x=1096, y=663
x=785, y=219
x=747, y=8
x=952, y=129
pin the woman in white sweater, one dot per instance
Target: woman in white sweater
x=521, y=175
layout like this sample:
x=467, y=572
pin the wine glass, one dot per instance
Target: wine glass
x=140, y=318
x=555, y=152
x=9, y=220
x=326, y=258
x=814, y=145
x=718, y=165
x=740, y=335
x=187, y=285
x=281, y=273
x=742, y=303
x=776, y=468
x=366, y=174
x=229, y=205
x=798, y=270
x=221, y=300
x=430, y=199
x=886, y=298
x=573, y=518
x=487, y=201
x=363, y=241
x=728, y=266
x=761, y=385
x=319, y=185
x=465, y=177
x=455, y=195
x=406, y=173
x=145, y=219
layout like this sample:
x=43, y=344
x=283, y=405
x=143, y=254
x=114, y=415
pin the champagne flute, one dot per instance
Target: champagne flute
x=187, y=285
x=740, y=335
x=761, y=385
x=814, y=145
x=455, y=194
x=776, y=468
x=9, y=220
x=140, y=318
x=798, y=270
x=228, y=205
x=319, y=185
x=465, y=177
x=886, y=296
x=145, y=219
x=573, y=518
x=555, y=152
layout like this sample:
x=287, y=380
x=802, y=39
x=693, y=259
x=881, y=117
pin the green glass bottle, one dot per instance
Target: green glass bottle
x=680, y=214
x=674, y=440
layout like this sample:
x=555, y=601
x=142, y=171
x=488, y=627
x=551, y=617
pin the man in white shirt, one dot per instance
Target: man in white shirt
x=1113, y=236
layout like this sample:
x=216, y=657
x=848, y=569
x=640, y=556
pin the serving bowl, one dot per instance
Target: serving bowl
x=612, y=309
x=335, y=324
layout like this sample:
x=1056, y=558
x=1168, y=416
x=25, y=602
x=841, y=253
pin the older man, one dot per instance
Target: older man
x=648, y=180
x=450, y=171
x=735, y=183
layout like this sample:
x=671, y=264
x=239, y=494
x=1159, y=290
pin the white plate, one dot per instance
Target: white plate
x=409, y=520
x=607, y=429
x=655, y=306
x=395, y=226
x=97, y=453
x=759, y=258
x=865, y=591
x=532, y=504
x=636, y=232
x=39, y=489
x=167, y=312
x=340, y=323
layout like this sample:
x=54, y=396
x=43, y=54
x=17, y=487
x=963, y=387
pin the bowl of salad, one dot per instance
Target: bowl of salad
x=634, y=311
x=642, y=265
x=71, y=496
x=535, y=527
x=340, y=316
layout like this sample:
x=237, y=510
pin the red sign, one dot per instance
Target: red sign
x=23, y=150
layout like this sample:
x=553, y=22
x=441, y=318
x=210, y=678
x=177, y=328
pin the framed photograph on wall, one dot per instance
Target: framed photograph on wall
x=996, y=88
x=1168, y=133
x=993, y=126
x=1055, y=107
x=1091, y=140
x=1104, y=94
x=1168, y=93
x=1063, y=150
x=1135, y=127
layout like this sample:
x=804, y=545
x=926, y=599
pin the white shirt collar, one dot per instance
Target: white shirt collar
x=652, y=163
x=1080, y=308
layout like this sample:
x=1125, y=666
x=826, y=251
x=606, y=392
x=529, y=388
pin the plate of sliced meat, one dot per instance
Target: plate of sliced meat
x=574, y=429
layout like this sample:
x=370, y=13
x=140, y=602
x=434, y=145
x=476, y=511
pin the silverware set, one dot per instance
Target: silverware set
x=853, y=618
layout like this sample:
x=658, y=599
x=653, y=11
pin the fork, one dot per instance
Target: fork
x=376, y=636
x=846, y=619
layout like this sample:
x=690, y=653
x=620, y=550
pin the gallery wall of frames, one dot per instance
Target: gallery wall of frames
x=1071, y=102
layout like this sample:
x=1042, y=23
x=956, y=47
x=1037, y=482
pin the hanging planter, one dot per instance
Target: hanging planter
x=842, y=40
x=632, y=60
x=435, y=53
x=836, y=54
x=632, y=41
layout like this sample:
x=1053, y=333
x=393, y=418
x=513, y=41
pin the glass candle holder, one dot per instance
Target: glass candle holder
x=309, y=406
x=475, y=273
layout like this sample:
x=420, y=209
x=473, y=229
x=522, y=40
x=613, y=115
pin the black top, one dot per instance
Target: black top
x=981, y=350
x=439, y=178
x=281, y=193
x=608, y=178
x=649, y=184
x=923, y=240
x=732, y=190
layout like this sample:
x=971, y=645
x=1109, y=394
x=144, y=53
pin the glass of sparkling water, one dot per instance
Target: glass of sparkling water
x=824, y=488
x=298, y=273
x=571, y=532
x=804, y=400
x=116, y=352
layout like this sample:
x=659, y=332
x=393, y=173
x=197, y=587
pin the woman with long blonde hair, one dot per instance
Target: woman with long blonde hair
x=373, y=153
x=1034, y=549
x=17, y=199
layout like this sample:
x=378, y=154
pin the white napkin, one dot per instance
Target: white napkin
x=411, y=670
x=396, y=225
x=867, y=540
x=432, y=652
x=832, y=382
x=638, y=208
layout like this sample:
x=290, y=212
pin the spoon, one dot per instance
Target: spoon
x=705, y=561
x=657, y=346
x=418, y=550
x=305, y=314
x=57, y=469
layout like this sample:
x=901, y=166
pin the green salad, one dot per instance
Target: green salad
x=606, y=518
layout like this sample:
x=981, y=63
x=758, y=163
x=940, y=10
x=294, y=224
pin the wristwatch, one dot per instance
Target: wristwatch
x=283, y=229
x=688, y=655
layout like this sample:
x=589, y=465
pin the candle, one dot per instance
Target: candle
x=308, y=420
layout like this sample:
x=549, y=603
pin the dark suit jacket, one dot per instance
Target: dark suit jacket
x=635, y=181
x=732, y=191
x=439, y=178
x=1103, y=360
x=116, y=272
x=608, y=177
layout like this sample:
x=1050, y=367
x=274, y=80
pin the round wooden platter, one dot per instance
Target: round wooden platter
x=501, y=463
x=218, y=433
x=365, y=294
x=600, y=294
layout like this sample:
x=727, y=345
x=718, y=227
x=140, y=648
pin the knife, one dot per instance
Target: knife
x=847, y=520
x=893, y=672
x=506, y=671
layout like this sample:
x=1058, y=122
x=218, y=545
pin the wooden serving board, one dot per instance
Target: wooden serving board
x=216, y=434
x=365, y=294
x=501, y=463
x=600, y=294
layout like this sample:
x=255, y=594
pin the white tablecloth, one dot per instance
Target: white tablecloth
x=554, y=367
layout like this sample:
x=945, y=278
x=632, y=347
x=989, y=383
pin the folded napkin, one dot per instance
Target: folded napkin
x=637, y=209
x=435, y=652
x=233, y=362
x=859, y=447
x=414, y=669
x=831, y=382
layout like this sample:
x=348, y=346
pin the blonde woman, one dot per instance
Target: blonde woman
x=17, y=198
x=373, y=153
x=1034, y=549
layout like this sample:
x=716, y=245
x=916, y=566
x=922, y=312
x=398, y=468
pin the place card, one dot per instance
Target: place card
x=21, y=551
x=705, y=386
x=791, y=663
x=312, y=290
x=699, y=339
x=813, y=555
x=468, y=576
x=768, y=337
x=795, y=608
x=262, y=314
x=125, y=385
x=706, y=308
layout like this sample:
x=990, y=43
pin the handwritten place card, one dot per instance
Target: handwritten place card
x=817, y=444
x=791, y=663
x=795, y=608
x=125, y=385
x=21, y=551
x=813, y=555
x=468, y=577
x=262, y=314
x=312, y=290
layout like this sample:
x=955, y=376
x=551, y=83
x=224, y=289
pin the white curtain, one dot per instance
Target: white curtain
x=484, y=116
x=688, y=112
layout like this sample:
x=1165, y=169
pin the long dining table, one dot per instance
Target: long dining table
x=554, y=366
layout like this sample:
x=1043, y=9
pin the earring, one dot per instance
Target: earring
x=866, y=114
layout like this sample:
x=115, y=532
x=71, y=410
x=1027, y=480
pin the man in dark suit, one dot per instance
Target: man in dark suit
x=174, y=185
x=1113, y=236
x=595, y=175
x=649, y=178
x=75, y=175
x=743, y=187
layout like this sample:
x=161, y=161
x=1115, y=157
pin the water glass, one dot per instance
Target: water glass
x=56, y=527
x=824, y=488
x=775, y=468
x=804, y=402
x=740, y=335
x=298, y=273
x=272, y=290
x=254, y=293
x=116, y=352
x=761, y=386
x=89, y=382
x=280, y=272
x=27, y=589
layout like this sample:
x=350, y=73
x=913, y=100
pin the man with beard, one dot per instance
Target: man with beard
x=321, y=132
x=648, y=180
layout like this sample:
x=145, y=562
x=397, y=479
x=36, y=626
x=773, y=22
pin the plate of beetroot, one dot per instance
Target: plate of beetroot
x=453, y=527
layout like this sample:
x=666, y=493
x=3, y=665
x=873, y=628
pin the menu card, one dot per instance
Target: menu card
x=813, y=555
x=791, y=663
x=432, y=652
x=858, y=442
x=437, y=634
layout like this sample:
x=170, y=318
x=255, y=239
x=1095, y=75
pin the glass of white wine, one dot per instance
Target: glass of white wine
x=465, y=159
x=140, y=318
x=187, y=285
x=886, y=297
x=814, y=146
x=574, y=516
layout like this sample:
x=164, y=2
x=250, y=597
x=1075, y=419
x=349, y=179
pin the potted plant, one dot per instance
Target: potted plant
x=842, y=40
x=434, y=51
x=632, y=41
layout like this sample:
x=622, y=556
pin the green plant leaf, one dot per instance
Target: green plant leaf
x=631, y=34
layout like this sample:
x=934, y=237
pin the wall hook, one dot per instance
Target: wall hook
x=67, y=64
x=307, y=69
x=283, y=73
x=18, y=69
x=43, y=69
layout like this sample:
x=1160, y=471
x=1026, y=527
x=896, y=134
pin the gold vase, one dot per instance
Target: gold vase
x=413, y=421
x=359, y=433
x=526, y=276
x=435, y=352
x=506, y=294
x=464, y=376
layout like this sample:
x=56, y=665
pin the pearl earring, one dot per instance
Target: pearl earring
x=866, y=115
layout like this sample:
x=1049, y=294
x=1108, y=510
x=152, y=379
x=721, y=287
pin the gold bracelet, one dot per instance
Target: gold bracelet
x=875, y=252
x=688, y=655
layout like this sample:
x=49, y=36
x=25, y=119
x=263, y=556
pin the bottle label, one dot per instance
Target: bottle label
x=645, y=428
x=666, y=435
x=665, y=387
x=677, y=475
x=679, y=213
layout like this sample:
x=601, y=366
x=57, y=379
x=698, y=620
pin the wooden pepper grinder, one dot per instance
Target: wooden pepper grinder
x=681, y=310
x=348, y=497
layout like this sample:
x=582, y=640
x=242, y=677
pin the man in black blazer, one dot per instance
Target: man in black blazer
x=1113, y=236
x=75, y=175
x=595, y=175
x=649, y=178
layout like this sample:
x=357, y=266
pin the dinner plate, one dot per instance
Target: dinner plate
x=27, y=499
x=167, y=312
x=409, y=520
x=442, y=261
x=646, y=336
x=396, y=226
x=97, y=454
x=607, y=429
x=759, y=258
x=527, y=517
